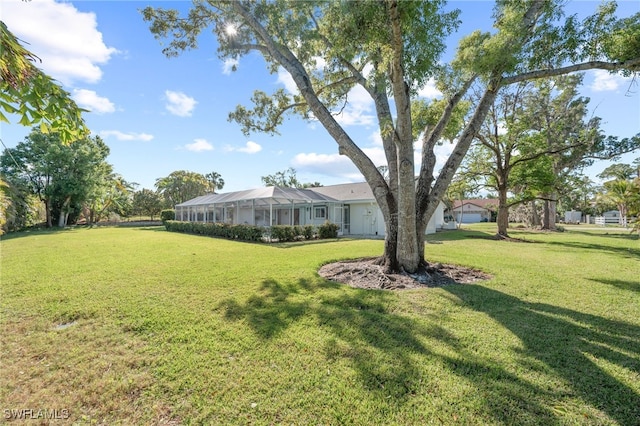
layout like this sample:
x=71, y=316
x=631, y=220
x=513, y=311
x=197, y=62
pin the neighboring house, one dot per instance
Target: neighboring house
x=474, y=211
x=351, y=206
x=612, y=216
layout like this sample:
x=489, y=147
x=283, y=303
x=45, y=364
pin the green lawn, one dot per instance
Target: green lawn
x=139, y=326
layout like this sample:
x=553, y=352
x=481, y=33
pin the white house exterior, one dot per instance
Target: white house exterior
x=474, y=211
x=351, y=206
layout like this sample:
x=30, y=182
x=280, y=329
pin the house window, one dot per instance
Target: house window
x=320, y=212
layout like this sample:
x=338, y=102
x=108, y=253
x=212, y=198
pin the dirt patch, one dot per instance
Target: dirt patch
x=365, y=273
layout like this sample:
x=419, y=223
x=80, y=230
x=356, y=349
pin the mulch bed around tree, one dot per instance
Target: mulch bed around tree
x=365, y=273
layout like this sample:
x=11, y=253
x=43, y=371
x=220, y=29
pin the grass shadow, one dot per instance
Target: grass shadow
x=271, y=310
x=621, y=284
x=457, y=235
x=569, y=343
x=36, y=231
x=626, y=252
x=388, y=350
x=621, y=234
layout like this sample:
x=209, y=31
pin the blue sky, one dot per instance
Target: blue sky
x=159, y=115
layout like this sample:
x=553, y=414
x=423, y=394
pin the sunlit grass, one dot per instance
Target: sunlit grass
x=140, y=325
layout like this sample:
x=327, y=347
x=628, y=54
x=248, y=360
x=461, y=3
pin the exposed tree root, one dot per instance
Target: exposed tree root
x=369, y=273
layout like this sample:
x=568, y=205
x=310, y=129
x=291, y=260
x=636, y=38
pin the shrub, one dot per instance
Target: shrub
x=223, y=230
x=308, y=232
x=283, y=233
x=328, y=230
x=168, y=214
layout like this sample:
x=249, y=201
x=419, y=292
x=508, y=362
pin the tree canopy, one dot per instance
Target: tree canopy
x=64, y=177
x=183, y=185
x=391, y=49
x=287, y=179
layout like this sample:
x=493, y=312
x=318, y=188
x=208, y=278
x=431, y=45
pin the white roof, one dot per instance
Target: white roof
x=264, y=195
x=348, y=192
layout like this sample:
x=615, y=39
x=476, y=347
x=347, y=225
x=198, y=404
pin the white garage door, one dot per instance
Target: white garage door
x=470, y=218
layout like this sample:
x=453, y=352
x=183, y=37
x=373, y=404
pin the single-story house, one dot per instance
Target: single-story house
x=351, y=206
x=612, y=216
x=474, y=211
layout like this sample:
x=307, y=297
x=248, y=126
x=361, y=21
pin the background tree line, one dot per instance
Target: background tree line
x=48, y=181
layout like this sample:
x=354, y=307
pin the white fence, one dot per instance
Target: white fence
x=607, y=220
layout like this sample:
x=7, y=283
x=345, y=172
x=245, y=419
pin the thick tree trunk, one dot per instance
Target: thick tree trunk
x=47, y=208
x=389, y=259
x=553, y=212
x=546, y=215
x=62, y=219
x=503, y=213
x=535, y=217
x=407, y=254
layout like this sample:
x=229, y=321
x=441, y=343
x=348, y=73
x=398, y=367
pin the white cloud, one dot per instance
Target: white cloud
x=442, y=153
x=285, y=79
x=604, y=81
x=376, y=138
x=429, y=90
x=121, y=136
x=359, y=109
x=90, y=100
x=179, y=104
x=249, y=148
x=66, y=40
x=357, y=112
x=199, y=145
x=341, y=167
x=335, y=165
x=230, y=65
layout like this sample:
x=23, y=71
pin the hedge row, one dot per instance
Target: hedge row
x=281, y=233
x=328, y=230
x=284, y=233
x=223, y=230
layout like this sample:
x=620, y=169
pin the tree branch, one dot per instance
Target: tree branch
x=631, y=64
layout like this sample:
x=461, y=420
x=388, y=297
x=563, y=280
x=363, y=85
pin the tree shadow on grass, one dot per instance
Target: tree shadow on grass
x=272, y=309
x=625, y=252
x=39, y=231
x=458, y=234
x=391, y=352
x=621, y=284
x=620, y=234
x=569, y=342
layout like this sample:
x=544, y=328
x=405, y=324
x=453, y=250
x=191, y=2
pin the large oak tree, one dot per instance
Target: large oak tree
x=391, y=49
